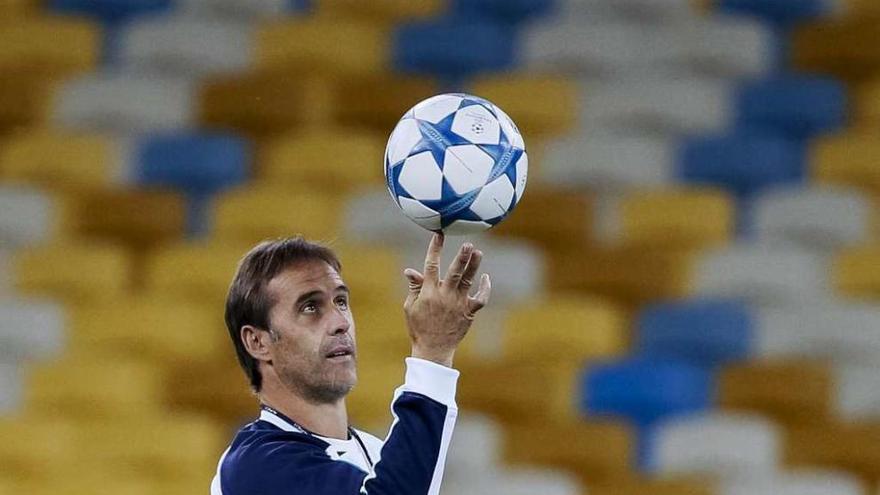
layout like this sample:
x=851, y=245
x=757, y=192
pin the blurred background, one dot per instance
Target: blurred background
x=686, y=299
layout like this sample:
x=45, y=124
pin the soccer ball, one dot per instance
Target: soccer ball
x=456, y=163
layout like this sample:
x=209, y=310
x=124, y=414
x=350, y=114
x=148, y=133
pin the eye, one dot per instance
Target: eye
x=342, y=302
x=309, y=307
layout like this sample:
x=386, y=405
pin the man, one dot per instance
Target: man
x=288, y=314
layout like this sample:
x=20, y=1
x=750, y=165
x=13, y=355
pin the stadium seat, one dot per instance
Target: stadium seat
x=198, y=163
x=728, y=46
x=505, y=11
x=608, y=162
x=110, y=11
x=50, y=448
x=644, y=390
x=598, y=449
x=193, y=271
x=816, y=218
x=11, y=387
x=452, y=46
x=803, y=331
x=216, y=389
x=723, y=444
x=664, y=218
x=11, y=9
x=553, y=114
x=348, y=160
x=242, y=11
x=477, y=446
x=762, y=274
x=657, y=105
x=842, y=48
x=639, y=10
x=508, y=481
x=61, y=160
x=372, y=217
x=31, y=329
x=265, y=103
x=155, y=328
x=29, y=44
x=385, y=11
x=778, y=11
x=369, y=403
x=796, y=482
x=706, y=332
x=382, y=333
x=29, y=216
x=255, y=213
x=649, y=485
x=867, y=104
x=378, y=101
x=124, y=102
x=798, y=106
x=743, y=164
x=25, y=101
x=856, y=273
x=574, y=329
x=92, y=386
x=185, y=46
x=847, y=159
x=348, y=47
x=75, y=271
x=138, y=218
x=529, y=221
x=848, y=446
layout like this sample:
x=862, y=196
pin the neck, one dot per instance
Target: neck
x=325, y=419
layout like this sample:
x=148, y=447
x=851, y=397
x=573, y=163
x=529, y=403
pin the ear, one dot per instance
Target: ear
x=256, y=342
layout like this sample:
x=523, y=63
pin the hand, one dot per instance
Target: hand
x=440, y=312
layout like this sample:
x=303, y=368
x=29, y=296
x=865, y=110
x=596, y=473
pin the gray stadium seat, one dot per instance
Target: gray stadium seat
x=513, y=482
x=235, y=9
x=476, y=447
x=800, y=482
x=27, y=216
x=30, y=329
x=11, y=381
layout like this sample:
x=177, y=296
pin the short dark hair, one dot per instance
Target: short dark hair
x=248, y=301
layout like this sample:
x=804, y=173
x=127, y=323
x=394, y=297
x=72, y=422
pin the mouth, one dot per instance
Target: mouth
x=340, y=353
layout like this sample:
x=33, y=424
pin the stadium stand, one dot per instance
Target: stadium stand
x=685, y=301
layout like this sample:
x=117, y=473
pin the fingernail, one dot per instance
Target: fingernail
x=466, y=247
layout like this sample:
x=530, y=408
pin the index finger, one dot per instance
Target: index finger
x=432, y=258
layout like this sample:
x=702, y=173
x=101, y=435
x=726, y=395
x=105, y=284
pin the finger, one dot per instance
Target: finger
x=415, y=280
x=481, y=298
x=459, y=265
x=432, y=258
x=467, y=278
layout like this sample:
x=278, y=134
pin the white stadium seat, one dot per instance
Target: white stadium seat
x=186, y=46
x=728, y=46
x=513, y=482
x=858, y=392
x=30, y=329
x=372, y=217
x=665, y=106
x=125, y=102
x=803, y=330
x=608, y=162
x=722, y=444
x=236, y=9
x=11, y=381
x=645, y=10
x=762, y=274
x=27, y=216
x=794, y=483
x=820, y=217
x=476, y=445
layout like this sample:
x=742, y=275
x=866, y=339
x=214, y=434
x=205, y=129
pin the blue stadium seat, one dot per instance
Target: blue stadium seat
x=702, y=332
x=110, y=11
x=778, y=11
x=198, y=164
x=453, y=47
x=741, y=163
x=512, y=11
x=645, y=390
x=798, y=106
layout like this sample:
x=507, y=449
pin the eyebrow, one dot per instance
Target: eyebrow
x=312, y=293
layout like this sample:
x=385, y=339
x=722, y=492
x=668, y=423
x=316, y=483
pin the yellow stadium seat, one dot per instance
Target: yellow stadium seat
x=193, y=271
x=386, y=11
x=255, y=213
x=595, y=450
x=512, y=392
x=861, y=8
x=560, y=328
x=347, y=159
x=378, y=101
x=369, y=403
x=137, y=218
x=866, y=108
x=372, y=273
x=847, y=159
x=381, y=331
x=677, y=218
x=95, y=385
x=61, y=160
x=788, y=391
x=25, y=101
x=554, y=113
x=10, y=9
x=341, y=46
x=217, y=388
x=47, y=45
x=845, y=48
x=856, y=272
x=538, y=204
x=853, y=447
x=267, y=102
x=49, y=446
x=161, y=329
x=636, y=485
x=73, y=271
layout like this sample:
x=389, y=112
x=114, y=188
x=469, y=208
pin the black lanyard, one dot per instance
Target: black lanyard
x=351, y=431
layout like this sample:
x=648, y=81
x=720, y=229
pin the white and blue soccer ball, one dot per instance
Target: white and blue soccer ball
x=456, y=163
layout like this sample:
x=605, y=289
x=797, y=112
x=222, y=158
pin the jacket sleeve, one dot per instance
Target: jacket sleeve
x=412, y=457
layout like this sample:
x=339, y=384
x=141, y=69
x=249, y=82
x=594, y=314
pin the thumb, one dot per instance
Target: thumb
x=415, y=280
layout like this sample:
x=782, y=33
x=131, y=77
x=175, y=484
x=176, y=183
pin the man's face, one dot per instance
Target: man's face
x=313, y=349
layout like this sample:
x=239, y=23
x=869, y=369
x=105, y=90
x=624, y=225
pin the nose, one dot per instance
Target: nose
x=340, y=323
